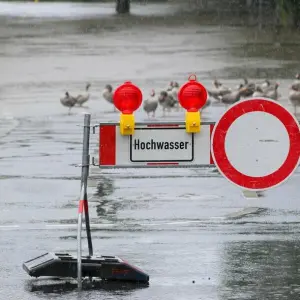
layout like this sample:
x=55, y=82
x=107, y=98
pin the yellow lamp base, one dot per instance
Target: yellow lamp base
x=127, y=124
x=192, y=122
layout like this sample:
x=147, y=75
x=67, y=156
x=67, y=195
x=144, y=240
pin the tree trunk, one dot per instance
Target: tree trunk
x=289, y=10
x=123, y=6
x=296, y=14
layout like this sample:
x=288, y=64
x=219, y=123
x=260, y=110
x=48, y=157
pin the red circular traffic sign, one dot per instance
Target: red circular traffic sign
x=192, y=95
x=256, y=144
x=127, y=98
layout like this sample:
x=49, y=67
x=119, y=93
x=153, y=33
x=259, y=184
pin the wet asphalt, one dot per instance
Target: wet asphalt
x=189, y=229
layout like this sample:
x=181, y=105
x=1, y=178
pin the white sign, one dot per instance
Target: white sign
x=161, y=145
x=256, y=144
x=261, y=151
x=154, y=145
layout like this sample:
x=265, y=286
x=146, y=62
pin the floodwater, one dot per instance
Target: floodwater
x=174, y=224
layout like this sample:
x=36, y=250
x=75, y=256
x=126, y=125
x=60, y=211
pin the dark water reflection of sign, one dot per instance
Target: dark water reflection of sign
x=255, y=270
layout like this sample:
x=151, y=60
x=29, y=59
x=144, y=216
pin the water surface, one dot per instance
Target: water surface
x=171, y=223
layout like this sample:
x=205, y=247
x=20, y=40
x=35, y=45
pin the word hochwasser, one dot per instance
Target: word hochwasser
x=153, y=145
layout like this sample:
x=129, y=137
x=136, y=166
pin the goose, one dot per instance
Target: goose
x=232, y=97
x=166, y=101
x=213, y=93
x=258, y=92
x=294, y=97
x=150, y=105
x=247, y=83
x=218, y=90
x=170, y=86
x=84, y=97
x=264, y=85
x=68, y=101
x=270, y=87
x=296, y=83
x=272, y=93
x=223, y=90
x=174, y=93
x=107, y=94
x=174, y=90
x=249, y=88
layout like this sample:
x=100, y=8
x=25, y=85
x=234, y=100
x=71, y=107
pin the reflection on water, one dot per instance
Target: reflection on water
x=261, y=270
x=61, y=287
x=105, y=187
x=107, y=210
x=106, y=207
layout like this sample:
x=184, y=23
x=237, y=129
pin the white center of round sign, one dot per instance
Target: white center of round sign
x=257, y=144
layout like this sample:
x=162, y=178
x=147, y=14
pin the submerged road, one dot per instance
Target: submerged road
x=192, y=231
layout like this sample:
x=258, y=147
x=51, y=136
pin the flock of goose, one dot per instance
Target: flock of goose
x=168, y=97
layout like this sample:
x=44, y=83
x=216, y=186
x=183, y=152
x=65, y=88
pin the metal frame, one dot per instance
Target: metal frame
x=180, y=123
x=137, y=124
x=151, y=166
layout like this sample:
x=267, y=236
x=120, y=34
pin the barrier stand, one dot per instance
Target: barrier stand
x=261, y=159
x=64, y=265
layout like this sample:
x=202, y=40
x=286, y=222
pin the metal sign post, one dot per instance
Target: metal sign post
x=85, y=175
x=83, y=203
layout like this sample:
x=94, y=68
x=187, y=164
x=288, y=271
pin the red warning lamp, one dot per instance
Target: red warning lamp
x=127, y=99
x=192, y=96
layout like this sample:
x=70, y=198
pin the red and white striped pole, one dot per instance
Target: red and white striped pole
x=79, y=246
x=83, y=202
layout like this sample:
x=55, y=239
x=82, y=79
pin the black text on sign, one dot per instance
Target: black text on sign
x=161, y=145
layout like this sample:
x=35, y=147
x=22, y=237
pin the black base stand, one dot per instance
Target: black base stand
x=63, y=265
